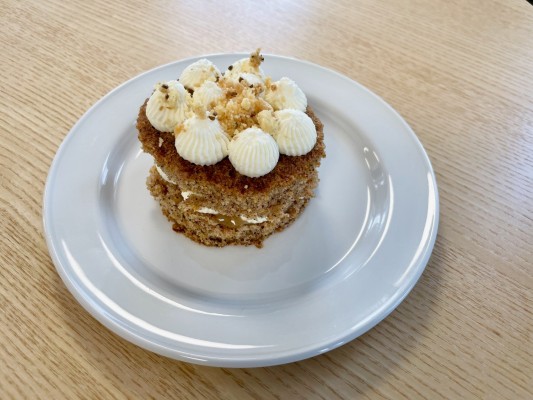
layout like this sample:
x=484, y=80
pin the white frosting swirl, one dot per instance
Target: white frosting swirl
x=253, y=152
x=164, y=175
x=198, y=72
x=252, y=79
x=202, y=141
x=242, y=68
x=208, y=94
x=285, y=94
x=168, y=106
x=296, y=133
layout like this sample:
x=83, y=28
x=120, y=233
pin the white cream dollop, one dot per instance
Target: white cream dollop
x=194, y=75
x=207, y=210
x=168, y=106
x=256, y=220
x=248, y=220
x=208, y=94
x=285, y=94
x=202, y=141
x=252, y=79
x=295, y=133
x=164, y=175
x=253, y=152
x=186, y=194
x=244, y=68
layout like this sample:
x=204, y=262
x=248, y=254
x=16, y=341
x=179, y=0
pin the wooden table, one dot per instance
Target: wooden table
x=461, y=74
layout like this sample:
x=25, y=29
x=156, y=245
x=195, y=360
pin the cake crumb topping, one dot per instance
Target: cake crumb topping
x=256, y=58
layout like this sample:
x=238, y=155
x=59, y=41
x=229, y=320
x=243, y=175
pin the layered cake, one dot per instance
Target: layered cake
x=236, y=154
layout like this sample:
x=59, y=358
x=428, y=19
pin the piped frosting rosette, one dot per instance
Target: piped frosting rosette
x=285, y=94
x=248, y=69
x=168, y=106
x=201, y=140
x=253, y=152
x=293, y=130
x=199, y=72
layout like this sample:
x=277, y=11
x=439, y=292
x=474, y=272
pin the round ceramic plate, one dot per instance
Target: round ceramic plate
x=343, y=266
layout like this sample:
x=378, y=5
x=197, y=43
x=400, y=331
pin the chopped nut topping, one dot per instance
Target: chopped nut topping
x=256, y=58
x=199, y=111
x=239, y=107
x=246, y=104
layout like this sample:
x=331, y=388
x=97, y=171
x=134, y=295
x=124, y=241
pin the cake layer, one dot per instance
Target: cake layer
x=221, y=179
x=194, y=217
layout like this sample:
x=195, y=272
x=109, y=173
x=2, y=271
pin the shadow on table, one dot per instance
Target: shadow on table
x=363, y=365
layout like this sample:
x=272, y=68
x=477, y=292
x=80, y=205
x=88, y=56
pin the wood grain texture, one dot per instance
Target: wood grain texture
x=461, y=74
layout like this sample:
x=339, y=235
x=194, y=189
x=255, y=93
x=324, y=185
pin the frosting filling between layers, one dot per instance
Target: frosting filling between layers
x=163, y=175
x=231, y=221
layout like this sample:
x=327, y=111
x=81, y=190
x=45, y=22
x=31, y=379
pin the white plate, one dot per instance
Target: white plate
x=342, y=267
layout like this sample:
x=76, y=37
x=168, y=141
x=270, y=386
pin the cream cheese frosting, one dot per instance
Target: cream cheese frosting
x=163, y=175
x=208, y=94
x=207, y=210
x=248, y=220
x=295, y=134
x=186, y=194
x=257, y=220
x=252, y=79
x=246, y=67
x=199, y=72
x=285, y=94
x=253, y=152
x=168, y=106
x=201, y=140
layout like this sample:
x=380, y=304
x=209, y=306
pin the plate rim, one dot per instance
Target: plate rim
x=241, y=361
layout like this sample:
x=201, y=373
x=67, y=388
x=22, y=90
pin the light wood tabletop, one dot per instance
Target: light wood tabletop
x=459, y=72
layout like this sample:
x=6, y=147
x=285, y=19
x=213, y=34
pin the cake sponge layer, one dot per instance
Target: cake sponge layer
x=219, y=228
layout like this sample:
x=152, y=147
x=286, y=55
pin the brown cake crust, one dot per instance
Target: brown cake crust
x=280, y=195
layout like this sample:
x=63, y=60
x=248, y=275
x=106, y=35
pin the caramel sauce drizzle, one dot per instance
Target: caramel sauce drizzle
x=229, y=221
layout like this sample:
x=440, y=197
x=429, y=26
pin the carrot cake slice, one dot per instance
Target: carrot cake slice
x=235, y=154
